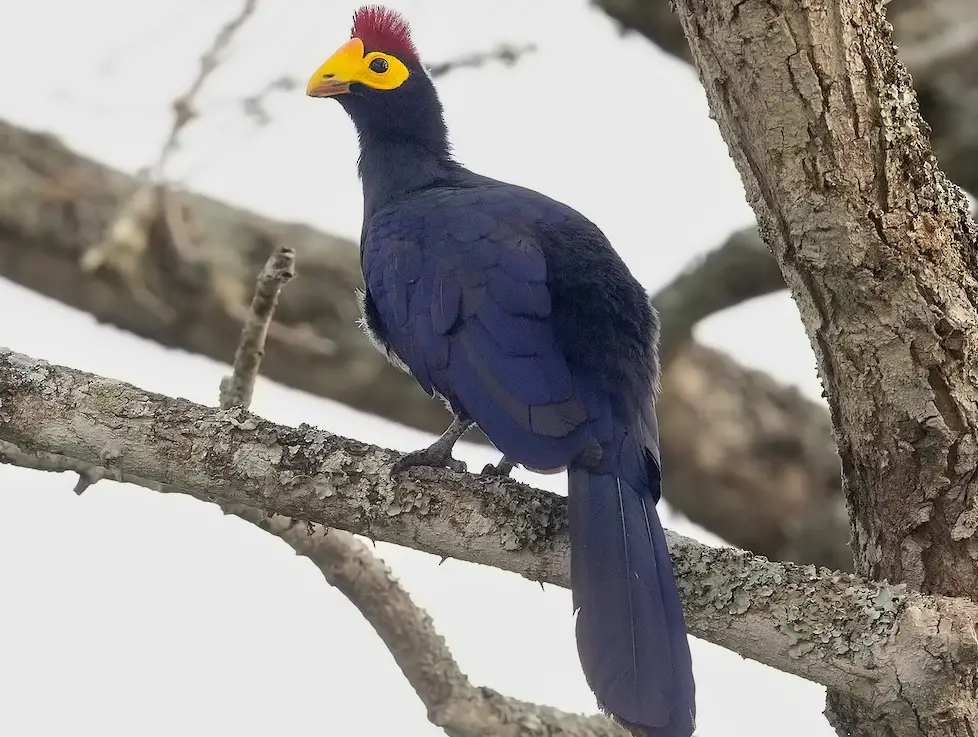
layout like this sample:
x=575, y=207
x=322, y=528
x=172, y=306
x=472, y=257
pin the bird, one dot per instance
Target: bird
x=517, y=312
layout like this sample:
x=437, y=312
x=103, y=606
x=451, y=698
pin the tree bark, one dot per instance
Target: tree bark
x=744, y=456
x=878, y=249
x=864, y=639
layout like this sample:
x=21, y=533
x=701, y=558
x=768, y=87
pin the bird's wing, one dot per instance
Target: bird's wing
x=459, y=284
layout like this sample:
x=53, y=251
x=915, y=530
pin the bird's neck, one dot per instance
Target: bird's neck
x=391, y=168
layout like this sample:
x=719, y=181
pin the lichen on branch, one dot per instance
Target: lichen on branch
x=828, y=627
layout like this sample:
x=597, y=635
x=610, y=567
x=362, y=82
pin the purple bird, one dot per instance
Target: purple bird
x=517, y=312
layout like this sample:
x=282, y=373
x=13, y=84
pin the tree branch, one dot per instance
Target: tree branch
x=827, y=627
x=739, y=270
x=123, y=246
x=451, y=701
x=237, y=389
x=184, y=107
x=750, y=460
x=506, y=54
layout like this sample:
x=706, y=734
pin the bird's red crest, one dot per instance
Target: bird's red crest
x=383, y=29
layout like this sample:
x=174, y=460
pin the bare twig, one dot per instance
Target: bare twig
x=184, y=106
x=506, y=54
x=254, y=105
x=127, y=240
x=237, y=389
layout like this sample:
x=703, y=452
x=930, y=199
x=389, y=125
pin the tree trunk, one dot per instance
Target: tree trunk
x=878, y=249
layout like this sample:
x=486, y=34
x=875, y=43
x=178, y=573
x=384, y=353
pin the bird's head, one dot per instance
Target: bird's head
x=378, y=78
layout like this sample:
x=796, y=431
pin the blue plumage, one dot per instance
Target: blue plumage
x=515, y=309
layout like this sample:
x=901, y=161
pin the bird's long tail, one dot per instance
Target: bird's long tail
x=631, y=634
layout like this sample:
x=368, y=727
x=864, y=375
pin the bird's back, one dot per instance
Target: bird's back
x=601, y=317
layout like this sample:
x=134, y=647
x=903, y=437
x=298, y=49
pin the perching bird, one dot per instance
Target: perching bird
x=515, y=309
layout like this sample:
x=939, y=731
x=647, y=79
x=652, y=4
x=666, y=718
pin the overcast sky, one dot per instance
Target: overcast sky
x=126, y=612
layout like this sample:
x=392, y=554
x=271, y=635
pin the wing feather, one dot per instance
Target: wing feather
x=462, y=293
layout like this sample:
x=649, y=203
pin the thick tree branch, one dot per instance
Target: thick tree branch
x=451, y=701
x=743, y=455
x=824, y=626
x=656, y=21
x=750, y=460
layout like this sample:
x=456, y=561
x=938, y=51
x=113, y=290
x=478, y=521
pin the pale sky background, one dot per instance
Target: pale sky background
x=125, y=612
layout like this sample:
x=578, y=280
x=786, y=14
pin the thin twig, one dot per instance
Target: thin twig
x=506, y=54
x=254, y=106
x=127, y=240
x=237, y=389
x=88, y=474
x=184, y=109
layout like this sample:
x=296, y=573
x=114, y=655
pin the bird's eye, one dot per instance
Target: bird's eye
x=379, y=65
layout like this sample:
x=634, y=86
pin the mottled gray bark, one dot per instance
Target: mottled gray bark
x=859, y=638
x=878, y=249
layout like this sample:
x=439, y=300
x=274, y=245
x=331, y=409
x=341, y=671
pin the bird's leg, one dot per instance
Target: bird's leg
x=439, y=453
x=502, y=468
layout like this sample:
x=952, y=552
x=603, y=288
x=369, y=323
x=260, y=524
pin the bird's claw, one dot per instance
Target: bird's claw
x=503, y=468
x=428, y=457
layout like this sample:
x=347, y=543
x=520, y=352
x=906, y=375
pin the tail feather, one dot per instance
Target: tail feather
x=631, y=633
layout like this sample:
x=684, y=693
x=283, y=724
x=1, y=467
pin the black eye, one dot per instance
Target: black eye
x=379, y=65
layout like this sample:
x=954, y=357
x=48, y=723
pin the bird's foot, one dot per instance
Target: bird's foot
x=432, y=457
x=439, y=453
x=503, y=468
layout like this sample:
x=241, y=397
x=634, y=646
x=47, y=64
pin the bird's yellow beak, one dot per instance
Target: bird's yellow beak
x=338, y=71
